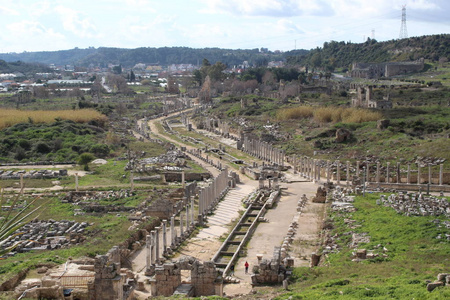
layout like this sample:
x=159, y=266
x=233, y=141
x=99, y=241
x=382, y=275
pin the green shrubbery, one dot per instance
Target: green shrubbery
x=60, y=141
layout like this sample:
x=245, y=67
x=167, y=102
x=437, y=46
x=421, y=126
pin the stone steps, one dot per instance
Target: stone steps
x=227, y=210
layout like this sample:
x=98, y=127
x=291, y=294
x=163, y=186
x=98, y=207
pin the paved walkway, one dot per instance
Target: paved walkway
x=271, y=234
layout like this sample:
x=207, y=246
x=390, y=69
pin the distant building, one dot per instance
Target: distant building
x=375, y=71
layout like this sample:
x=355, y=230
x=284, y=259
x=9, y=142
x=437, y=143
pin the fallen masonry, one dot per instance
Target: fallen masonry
x=416, y=204
x=46, y=235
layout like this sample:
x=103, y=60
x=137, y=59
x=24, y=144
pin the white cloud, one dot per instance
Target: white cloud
x=34, y=36
x=75, y=22
x=8, y=11
x=273, y=8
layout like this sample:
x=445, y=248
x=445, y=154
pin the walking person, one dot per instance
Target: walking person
x=232, y=270
x=246, y=267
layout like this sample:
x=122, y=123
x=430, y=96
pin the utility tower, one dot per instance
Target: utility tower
x=403, y=30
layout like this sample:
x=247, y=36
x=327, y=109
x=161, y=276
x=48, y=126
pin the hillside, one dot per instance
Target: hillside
x=341, y=54
x=164, y=56
x=22, y=67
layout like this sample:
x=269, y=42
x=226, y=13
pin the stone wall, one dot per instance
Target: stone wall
x=204, y=277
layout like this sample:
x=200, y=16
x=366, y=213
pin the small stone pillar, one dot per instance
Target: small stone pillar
x=418, y=173
x=148, y=253
x=338, y=172
x=399, y=180
x=348, y=173
x=408, y=176
x=367, y=172
x=328, y=171
x=183, y=184
x=357, y=168
x=76, y=182
x=192, y=212
x=181, y=225
x=152, y=247
x=441, y=174
x=21, y=183
x=187, y=217
x=378, y=173
x=172, y=231
x=131, y=181
x=157, y=245
x=164, y=228
x=387, y=172
x=430, y=177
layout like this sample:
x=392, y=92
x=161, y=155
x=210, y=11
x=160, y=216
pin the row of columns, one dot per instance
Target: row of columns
x=208, y=198
x=263, y=150
x=311, y=168
x=210, y=195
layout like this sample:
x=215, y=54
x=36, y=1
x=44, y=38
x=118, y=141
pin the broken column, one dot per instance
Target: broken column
x=164, y=228
x=157, y=245
x=348, y=173
x=172, y=231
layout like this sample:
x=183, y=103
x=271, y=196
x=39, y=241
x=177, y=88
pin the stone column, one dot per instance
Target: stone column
x=328, y=171
x=357, y=168
x=378, y=173
x=157, y=245
x=318, y=169
x=76, y=182
x=181, y=225
x=441, y=174
x=21, y=183
x=399, y=180
x=152, y=247
x=348, y=173
x=408, y=176
x=367, y=172
x=338, y=172
x=387, y=172
x=430, y=177
x=172, y=231
x=148, y=253
x=192, y=211
x=418, y=174
x=164, y=229
x=183, y=184
x=187, y=217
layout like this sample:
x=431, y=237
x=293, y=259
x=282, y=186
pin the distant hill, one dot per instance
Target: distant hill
x=342, y=54
x=163, y=56
x=22, y=67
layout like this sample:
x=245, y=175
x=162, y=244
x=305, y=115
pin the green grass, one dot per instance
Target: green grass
x=414, y=255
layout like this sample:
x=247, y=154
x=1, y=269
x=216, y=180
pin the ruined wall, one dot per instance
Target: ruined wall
x=176, y=177
x=108, y=282
x=394, y=69
x=204, y=276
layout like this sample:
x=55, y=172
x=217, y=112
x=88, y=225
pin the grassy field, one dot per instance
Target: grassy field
x=10, y=117
x=414, y=255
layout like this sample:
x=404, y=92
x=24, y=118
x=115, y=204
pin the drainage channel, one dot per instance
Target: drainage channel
x=228, y=253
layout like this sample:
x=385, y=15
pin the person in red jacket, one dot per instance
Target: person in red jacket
x=246, y=267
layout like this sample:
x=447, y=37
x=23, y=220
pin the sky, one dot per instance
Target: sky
x=48, y=25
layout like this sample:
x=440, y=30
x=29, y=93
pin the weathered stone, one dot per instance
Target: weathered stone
x=432, y=285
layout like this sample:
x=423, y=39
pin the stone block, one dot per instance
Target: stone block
x=432, y=285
